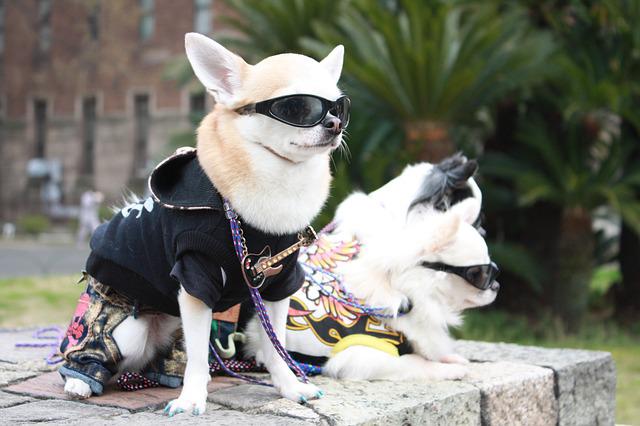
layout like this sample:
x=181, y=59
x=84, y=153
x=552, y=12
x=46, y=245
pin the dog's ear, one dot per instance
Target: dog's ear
x=467, y=209
x=218, y=69
x=444, y=228
x=333, y=62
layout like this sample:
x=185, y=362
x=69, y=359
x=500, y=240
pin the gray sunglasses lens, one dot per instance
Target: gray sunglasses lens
x=299, y=110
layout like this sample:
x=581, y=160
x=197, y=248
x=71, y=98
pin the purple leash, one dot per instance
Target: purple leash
x=240, y=246
x=54, y=342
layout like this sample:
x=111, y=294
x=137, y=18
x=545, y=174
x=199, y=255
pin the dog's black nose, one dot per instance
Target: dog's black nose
x=332, y=124
x=495, y=286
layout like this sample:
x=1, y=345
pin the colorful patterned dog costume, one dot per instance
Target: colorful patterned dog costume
x=320, y=325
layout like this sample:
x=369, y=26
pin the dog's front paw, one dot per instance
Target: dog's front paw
x=454, y=358
x=77, y=389
x=450, y=371
x=301, y=392
x=187, y=404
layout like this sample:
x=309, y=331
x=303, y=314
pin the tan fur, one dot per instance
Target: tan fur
x=267, y=77
x=221, y=151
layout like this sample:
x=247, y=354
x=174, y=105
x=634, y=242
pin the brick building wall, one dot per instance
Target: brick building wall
x=84, y=82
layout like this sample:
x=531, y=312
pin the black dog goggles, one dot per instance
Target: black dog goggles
x=301, y=110
x=479, y=276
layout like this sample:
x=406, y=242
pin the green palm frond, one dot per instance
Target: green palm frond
x=436, y=60
x=275, y=26
x=558, y=163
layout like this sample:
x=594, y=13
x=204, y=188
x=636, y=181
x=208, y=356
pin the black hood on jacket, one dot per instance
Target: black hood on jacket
x=179, y=182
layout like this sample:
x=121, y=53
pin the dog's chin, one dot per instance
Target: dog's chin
x=319, y=146
x=480, y=298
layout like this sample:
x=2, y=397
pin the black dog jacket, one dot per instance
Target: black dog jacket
x=180, y=235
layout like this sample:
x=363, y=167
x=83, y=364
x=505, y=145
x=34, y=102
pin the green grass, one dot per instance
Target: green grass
x=624, y=345
x=38, y=300
x=51, y=300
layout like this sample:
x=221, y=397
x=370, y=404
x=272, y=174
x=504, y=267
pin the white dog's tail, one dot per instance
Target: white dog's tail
x=129, y=198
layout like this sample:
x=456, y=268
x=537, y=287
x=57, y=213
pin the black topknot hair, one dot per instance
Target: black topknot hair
x=446, y=184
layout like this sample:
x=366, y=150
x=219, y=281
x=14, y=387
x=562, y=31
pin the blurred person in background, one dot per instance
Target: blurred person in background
x=88, y=217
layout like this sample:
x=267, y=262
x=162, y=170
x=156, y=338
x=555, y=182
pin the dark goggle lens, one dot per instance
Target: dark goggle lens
x=342, y=110
x=478, y=276
x=299, y=110
x=482, y=276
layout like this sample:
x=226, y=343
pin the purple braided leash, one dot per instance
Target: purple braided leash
x=223, y=366
x=240, y=248
x=53, y=343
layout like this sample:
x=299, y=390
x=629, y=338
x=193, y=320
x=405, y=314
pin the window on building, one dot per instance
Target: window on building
x=147, y=19
x=40, y=116
x=202, y=16
x=197, y=102
x=88, y=134
x=44, y=25
x=197, y=107
x=141, y=111
x=93, y=21
x=2, y=12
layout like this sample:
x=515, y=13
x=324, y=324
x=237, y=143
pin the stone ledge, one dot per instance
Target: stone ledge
x=585, y=381
x=514, y=394
x=506, y=385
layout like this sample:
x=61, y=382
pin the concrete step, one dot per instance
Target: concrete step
x=506, y=385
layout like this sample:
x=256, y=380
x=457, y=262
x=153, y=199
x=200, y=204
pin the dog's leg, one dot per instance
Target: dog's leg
x=196, y=325
x=139, y=339
x=131, y=336
x=284, y=380
x=365, y=363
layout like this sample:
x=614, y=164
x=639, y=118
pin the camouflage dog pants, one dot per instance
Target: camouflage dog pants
x=90, y=352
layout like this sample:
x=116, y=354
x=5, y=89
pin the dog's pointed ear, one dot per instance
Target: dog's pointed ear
x=467, y=209
x=218, y=69
x=333, y=62
x=444, y=228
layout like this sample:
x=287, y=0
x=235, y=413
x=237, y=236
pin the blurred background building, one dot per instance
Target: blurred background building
x=84, y=97
x=545, y=94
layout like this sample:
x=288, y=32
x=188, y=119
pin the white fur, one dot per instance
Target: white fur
x=216, y=67
x=139, y=339
x=333, y=62
x=365, y=363
x=77, y=389
x=387, y=273
x=285, y=197
x=196, y=323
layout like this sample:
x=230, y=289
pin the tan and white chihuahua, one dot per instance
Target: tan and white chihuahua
x=267, y=151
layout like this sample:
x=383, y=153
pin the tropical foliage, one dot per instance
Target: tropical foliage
x=544, y=92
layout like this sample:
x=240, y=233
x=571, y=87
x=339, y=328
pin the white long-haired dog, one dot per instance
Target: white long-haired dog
x=410, y=248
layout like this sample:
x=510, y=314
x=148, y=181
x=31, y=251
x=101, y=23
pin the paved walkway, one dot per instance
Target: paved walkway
x=28, y=258
x=510, y=385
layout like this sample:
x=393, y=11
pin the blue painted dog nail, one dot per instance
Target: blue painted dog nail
x=196, y=411
x=320, y=394
x=303, y=399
